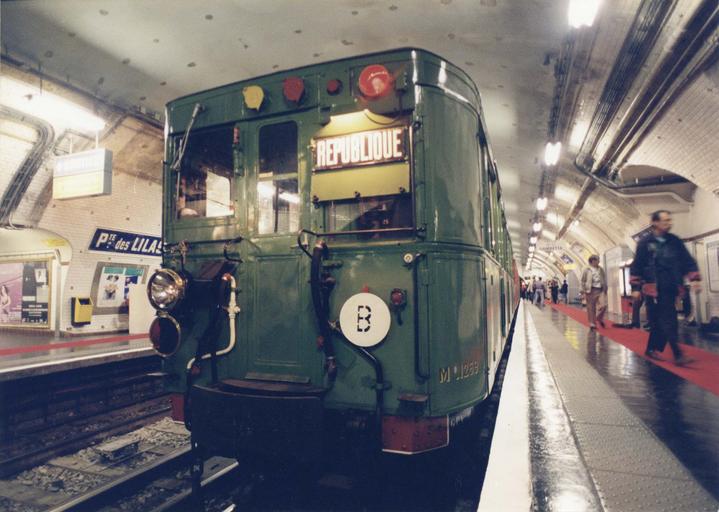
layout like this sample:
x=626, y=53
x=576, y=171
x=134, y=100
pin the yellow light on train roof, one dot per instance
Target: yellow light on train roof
x=254, y=95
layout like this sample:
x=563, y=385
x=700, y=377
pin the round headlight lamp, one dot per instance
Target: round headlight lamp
x=166, y=289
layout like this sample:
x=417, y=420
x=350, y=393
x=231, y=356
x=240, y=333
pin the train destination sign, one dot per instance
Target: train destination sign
x=109, y=240
x=361, y=148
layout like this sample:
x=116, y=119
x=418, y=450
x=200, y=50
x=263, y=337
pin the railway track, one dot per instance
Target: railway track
x=155, y=477
x=100, y=474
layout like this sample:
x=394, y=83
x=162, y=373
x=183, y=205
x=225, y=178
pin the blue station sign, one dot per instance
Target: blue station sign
x=123, y=242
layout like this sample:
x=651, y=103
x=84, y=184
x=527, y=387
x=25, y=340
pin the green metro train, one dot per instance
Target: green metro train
x=336, y=258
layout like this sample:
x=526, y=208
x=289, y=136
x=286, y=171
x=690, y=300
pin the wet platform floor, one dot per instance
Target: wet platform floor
x=610, y=399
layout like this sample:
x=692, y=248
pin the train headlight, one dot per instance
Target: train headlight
x=166, y=289
x=165, y=334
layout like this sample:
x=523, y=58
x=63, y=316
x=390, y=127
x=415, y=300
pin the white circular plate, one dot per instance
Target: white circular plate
x=365, y=319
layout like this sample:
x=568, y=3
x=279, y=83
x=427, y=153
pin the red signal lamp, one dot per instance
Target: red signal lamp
x=334, y=86
x=165, y=335
x=375, y=81
x=398, y=298
x=293, y=88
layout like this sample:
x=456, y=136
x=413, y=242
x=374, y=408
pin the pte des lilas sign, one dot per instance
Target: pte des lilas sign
x=123, y=242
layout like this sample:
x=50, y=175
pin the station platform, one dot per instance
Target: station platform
x=29, y=353
x=586, y=422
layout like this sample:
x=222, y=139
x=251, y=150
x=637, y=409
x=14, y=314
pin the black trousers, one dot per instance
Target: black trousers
x=636, y=311
x=663, y=320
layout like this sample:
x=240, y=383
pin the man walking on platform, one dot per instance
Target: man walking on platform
x=658, y=271
x=539, y=293
x=594, y=287
x=564, y=291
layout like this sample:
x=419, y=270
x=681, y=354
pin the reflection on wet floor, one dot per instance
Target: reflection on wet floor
x=682, y=415
x=560, y=480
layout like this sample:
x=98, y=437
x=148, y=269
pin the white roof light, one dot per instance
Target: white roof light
x=537, y=227
x=542, y=203
x=533, y=240
x=551, y=153
x=582, y=12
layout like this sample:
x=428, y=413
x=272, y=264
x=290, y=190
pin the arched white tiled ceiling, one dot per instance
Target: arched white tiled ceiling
x=665, y=39
x=183, y=46
x=691, y=123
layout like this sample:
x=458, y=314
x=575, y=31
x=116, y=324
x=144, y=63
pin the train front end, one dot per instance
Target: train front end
x=294, y=303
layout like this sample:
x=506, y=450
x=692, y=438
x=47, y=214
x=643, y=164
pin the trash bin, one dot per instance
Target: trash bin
x=80, y=311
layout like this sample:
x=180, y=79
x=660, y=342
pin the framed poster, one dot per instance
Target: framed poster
x=713, y=265
x=111, y=286
x=25, y=291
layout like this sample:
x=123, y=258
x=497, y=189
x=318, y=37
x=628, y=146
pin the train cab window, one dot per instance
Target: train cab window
x=278, y=198
x=370, y=214
x=204, y=181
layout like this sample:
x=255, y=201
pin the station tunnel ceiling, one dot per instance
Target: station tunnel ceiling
x=540, y=80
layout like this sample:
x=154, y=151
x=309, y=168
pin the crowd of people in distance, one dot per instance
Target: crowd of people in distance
x=536, y=291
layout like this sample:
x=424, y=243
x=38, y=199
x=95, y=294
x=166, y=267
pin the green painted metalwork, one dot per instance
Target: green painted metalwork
x=459, y=232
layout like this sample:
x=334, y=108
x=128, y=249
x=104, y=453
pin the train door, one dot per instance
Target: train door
x=280, y=336
x=492, y=308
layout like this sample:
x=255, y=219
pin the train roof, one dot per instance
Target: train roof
x=404, y=52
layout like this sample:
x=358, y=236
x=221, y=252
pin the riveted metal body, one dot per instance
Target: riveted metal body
x=459, y=281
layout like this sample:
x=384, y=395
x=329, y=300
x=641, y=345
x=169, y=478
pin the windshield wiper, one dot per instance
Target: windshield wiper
x=183, y=143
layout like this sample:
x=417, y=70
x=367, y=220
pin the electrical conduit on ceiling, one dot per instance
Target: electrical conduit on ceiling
x=25, y=173
x=641, y=38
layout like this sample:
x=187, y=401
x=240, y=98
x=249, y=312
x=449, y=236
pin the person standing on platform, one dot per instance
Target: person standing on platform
x=554, y=288
x=594, y=288
x=660, y=266
x=564, y=292
x=539, y=292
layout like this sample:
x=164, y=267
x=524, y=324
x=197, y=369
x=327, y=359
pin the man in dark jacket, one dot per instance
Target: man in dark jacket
x=658, y=271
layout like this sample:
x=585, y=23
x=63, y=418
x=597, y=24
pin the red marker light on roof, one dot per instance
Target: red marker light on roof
x=375, y=81
x=334, y=86
x=293, y=88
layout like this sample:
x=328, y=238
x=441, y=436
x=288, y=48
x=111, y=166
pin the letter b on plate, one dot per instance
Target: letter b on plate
x=365, y=319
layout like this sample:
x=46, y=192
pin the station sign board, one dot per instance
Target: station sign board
x=83, y=174
x=124, y=242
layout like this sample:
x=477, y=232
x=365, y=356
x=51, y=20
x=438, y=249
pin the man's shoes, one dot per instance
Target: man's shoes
x=683, y=360
x=647, y=327
x=601, y=322
x=653, y=354
x=693, y=323
x=592, y=327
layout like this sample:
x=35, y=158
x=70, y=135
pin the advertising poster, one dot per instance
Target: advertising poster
x=24, y=293
x=112, y=286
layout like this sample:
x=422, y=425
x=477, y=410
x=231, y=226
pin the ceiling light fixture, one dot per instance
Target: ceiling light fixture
x=537, y=227
x=47, y=106
x=542, y=203
x=533, y=240
x=582, y=12
x=551, y=153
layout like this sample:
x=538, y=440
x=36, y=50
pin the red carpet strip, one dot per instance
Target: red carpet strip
x=704, y=371
x=69, y=344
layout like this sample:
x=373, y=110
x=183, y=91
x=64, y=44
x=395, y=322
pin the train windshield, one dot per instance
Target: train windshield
x=204, y=188
x=277, y=188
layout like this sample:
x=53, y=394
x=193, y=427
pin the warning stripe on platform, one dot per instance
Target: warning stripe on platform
x=70, y=344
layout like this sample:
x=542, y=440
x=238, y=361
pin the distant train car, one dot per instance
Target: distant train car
x=336, y=258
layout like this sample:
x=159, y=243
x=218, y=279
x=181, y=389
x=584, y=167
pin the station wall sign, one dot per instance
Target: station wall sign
x=124, y=242
x=83, y=174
